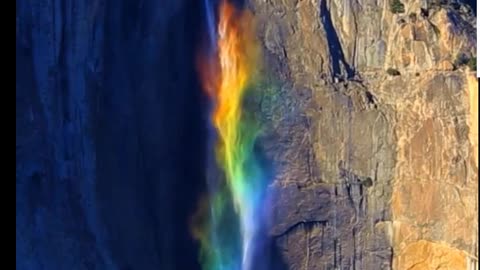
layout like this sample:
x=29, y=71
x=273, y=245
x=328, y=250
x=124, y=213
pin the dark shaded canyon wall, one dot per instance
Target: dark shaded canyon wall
x=109, y=134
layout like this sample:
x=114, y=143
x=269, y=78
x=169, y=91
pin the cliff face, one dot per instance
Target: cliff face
x=374, y=171
x=108, y=129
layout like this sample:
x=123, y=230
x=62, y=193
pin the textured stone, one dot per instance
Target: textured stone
x=104, y=90
x=424, y=255
x=413, y=135
x=370, y=171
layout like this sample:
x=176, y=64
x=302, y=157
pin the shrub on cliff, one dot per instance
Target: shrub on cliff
x=461, y=60
x=396, y=6
x=472, y=63
x=413, y=17
x=464, y=60
x=393, y=72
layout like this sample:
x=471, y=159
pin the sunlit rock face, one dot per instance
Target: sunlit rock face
x=374, y=171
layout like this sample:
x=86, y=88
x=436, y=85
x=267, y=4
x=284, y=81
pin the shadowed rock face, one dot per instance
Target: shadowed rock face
x=110, y=137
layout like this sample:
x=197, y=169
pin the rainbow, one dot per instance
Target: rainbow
x=229, y=218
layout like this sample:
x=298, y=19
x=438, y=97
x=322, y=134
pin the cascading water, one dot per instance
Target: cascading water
x=210, y=17
x=229, y=219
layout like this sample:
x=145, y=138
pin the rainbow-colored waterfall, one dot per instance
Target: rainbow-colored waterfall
x=228, y=220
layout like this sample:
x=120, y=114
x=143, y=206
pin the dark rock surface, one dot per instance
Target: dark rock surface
x=110, y=134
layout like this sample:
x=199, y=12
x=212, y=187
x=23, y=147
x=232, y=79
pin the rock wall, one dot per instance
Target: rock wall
x=374, y=171
x=109, y=132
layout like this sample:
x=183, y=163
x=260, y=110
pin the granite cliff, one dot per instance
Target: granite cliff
x=378, y=164
x=109, y=134
x=372, y=127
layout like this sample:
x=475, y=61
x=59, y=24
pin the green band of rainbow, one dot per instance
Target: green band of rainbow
x=229, y=222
